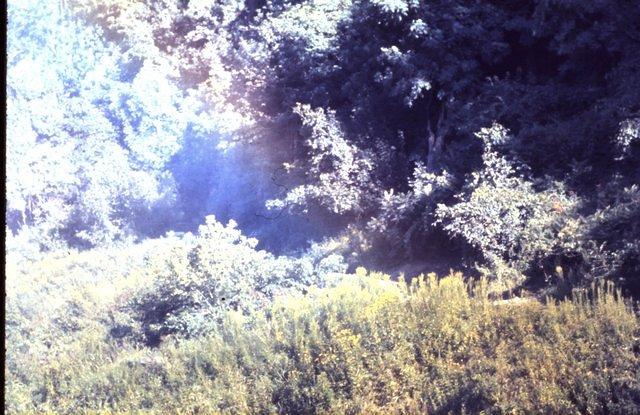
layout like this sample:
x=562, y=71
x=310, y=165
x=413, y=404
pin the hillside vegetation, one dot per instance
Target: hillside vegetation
x=361, y=347
x=197, y=188
x=502, y=139
x=94, y=333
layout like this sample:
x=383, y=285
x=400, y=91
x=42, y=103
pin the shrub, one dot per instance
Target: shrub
x=366, y=345
x=504, y=217
x=128, y=294
x=201, y=277
x=340, y=173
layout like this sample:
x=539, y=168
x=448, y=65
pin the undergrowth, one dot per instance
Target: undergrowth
x=364, y=345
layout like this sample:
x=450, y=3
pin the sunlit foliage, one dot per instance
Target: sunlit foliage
x=367, y=345
x=498, y=138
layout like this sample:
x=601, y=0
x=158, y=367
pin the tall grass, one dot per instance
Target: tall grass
x=367, y=345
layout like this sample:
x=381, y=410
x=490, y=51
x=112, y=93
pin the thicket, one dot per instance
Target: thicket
x=371, y=115
x=415, y=130
x=179, y=284
x=500, y=138
x=364, y=344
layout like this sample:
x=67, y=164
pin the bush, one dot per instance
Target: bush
x=602, y=243
x=340, y=173
x=502, y=214
x=366, y=345
x=135, y=294
x=193, y=285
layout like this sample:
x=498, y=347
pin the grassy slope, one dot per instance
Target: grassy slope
x=363, y=346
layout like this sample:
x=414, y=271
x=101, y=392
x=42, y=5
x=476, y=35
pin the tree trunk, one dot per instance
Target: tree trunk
x=431, y=156
x=436, y=141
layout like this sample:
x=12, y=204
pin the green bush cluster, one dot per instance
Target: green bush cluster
x=364, y=345
x=536, y=232
x=205, y=275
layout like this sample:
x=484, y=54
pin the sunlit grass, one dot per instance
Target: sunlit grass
x=366, y=345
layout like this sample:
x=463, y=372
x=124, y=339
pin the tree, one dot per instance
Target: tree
x=367, y=111
x=86, y=149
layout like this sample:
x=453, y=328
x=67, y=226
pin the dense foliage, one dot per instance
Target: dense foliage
x=364, y=344
x=499, y=138
x=413, y=129
x=368, y=114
